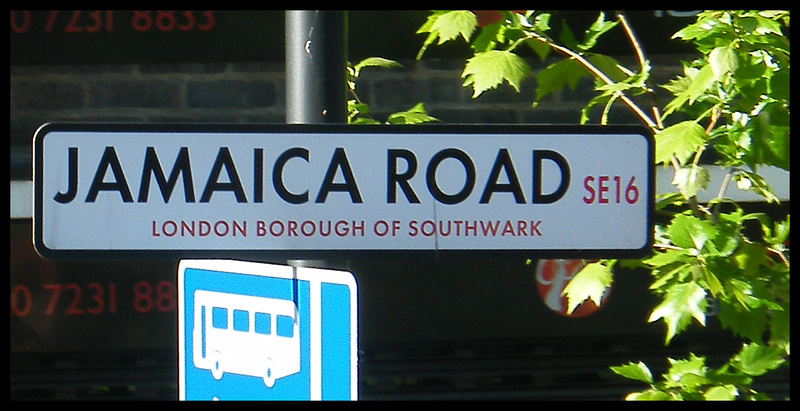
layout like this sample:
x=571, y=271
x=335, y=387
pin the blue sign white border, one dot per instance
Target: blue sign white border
x=315, y=277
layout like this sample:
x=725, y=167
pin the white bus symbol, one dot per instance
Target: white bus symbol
x=247, y=335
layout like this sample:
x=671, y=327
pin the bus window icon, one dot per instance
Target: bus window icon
x=246, y=335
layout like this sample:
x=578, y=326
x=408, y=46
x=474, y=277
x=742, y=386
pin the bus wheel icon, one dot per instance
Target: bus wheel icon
x=216, y=365
x=269, y=373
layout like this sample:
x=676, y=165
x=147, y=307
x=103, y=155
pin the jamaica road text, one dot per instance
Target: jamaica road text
x=339, y=165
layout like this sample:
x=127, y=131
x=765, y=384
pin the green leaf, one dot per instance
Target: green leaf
x=690, y=372
x=446, y=26
x=690, y=180
x=358, y=113
x=780, y=328
x=607, y=99
x=375, y=62
x=704, y=27
x=567, y=37
x=666, y=275
x=364, y=120
x=688, y=231
x=664, y=200
x=414, y=115
x=590, y=283
x=770, y=132
x=688, y=90
x=712, y=282
x=723, y=60
x=682, y=302
x=488, y=37
x=650, y=395
x=779, y=234
x=356, y=107
x=541, y=24
x=710, y=29
x=489, y=69
x=680, y=140
x=638, y=372
x=597, y=29
x=749, y=257
x=690, y=382
x=617, y=73
x=750, y=294
x=748, y=323
x=726, y=240
x=667, y=257
x=557, y=75
x=755, y=359
x=727, y=392
x=760, y=26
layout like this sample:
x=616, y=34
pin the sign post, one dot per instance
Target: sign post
x=317, y=191
x=316, y=62
x=250, y=331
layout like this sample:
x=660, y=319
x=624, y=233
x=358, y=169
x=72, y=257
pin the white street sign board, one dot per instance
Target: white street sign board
x=249, y=331
x=298, y=191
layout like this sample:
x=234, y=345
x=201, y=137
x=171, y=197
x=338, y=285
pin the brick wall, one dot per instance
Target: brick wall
x=255, y=93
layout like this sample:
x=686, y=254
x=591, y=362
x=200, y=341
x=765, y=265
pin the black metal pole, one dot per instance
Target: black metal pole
x=316, y=59
x=316, y=82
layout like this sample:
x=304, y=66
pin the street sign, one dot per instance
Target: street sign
x=300, y=191
x=249, y=331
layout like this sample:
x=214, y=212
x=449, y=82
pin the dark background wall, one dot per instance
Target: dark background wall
x=64, y=67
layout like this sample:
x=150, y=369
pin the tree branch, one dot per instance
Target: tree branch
x=597, y=73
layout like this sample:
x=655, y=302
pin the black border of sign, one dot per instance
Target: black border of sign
x=332, y=129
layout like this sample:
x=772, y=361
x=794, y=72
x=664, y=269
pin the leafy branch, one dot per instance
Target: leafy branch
x=732, y=101
x=358, y=112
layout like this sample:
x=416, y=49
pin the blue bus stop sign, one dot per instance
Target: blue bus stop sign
x=253, y=331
